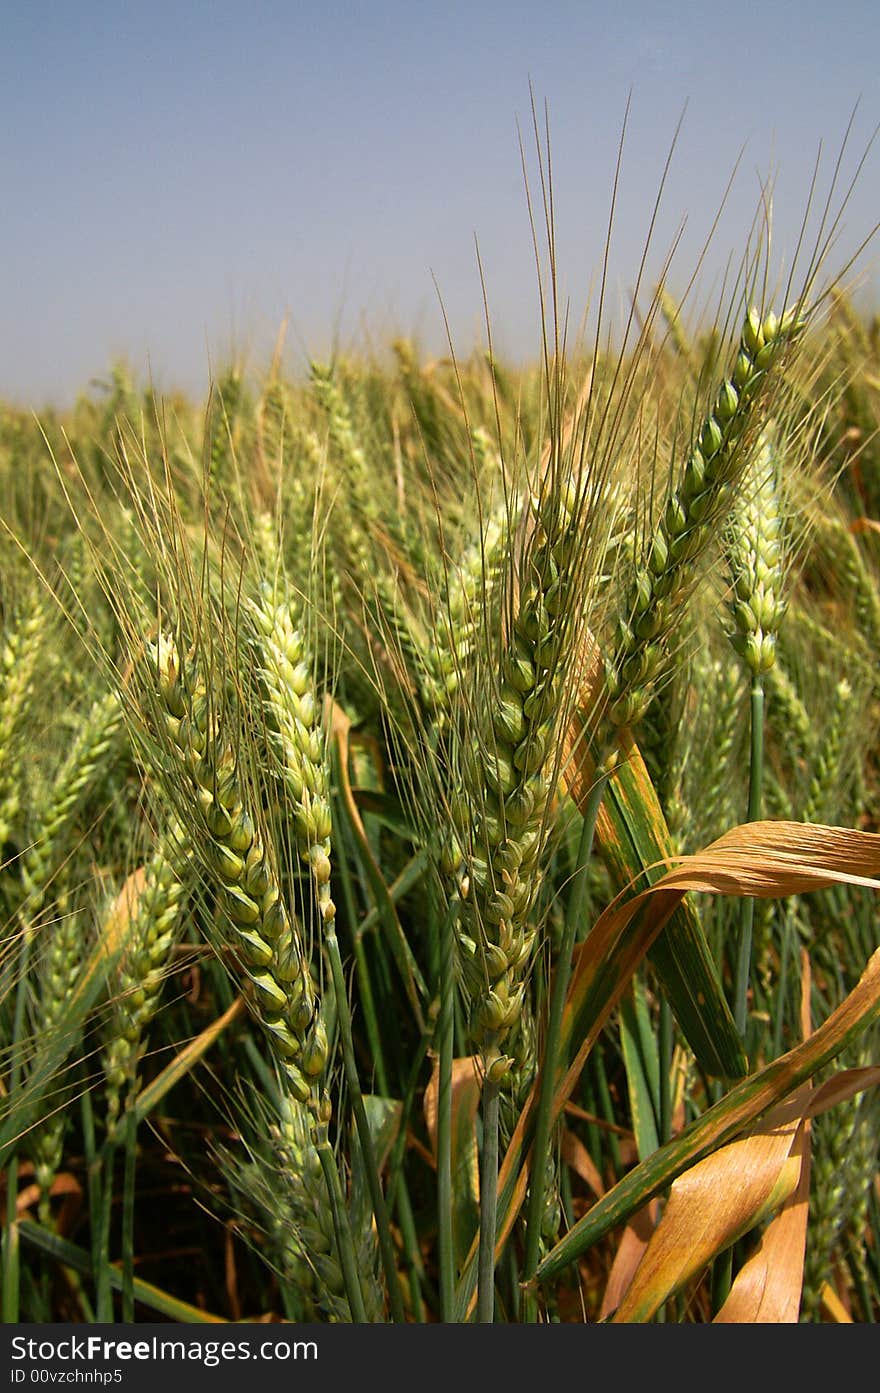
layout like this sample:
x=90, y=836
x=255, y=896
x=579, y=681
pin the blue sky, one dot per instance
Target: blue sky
x=176, y=178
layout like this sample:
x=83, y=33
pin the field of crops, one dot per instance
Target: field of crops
x=438, y=832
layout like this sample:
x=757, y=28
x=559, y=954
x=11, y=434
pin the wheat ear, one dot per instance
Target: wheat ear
x=294, y=721
x=690, y=520
x=232, y=855
x=152, y=905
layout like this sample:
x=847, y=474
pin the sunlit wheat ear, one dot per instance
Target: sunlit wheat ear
x=671, y=313
x=365, y=517
x=285, y=671
x=721, y=686
x=274, y=425
x=691, y=517
x=198, y=763
x=840, y=550
x=20, y=648
x=148, y=912
x=509, y=733
x=825, y=770
x=342, y=432
x=756, y=559
x=358, y=500
x=228, y=430
x=63, y=944
x=92, y=747
x=786, y=710
x=468, y=592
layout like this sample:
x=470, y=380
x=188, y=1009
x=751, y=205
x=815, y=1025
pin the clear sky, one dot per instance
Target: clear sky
x=175, y=178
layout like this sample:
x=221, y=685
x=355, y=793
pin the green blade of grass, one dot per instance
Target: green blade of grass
x=54, y=1048
x=414, y=982
x=641, y=1078
x=634, y=840
x=153, y=1297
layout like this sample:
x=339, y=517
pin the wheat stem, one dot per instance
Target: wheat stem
x=445, y=1053
x=551, y=1060
x=11, y=1244
x=342, y=1228
x=343, y=1016
x=128, y=1206
x=488, y=1202
x=747, y=904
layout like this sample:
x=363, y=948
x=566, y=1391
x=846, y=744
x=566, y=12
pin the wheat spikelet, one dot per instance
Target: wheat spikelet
x=151, y=904
x=19, y=655
x=755, y=558
x=91, y=748
x=468, y=592
x=227, y=427
x=285, y=671
x=825, y=767
x=56, y=978
x=224, y=837
x=786, y=710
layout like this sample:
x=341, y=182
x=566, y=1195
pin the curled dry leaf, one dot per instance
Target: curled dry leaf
x=467, y=1082
x=714, y=1203
x=759, y=859
x=768, y=1287
x=725, y=1120
x=727, y=1194
x=635, y=845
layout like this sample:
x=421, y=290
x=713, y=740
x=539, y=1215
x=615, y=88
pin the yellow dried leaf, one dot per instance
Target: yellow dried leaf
x=714, y=1203
x=843, y=1085
x=767, y=1289
x=466, y=1086
x=833, y=1306
x=467, y=1082
x=576, y=1155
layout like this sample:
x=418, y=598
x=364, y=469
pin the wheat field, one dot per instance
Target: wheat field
x=438, y=829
